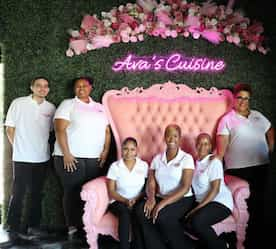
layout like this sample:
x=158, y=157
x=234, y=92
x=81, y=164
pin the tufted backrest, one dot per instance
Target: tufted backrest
x=145, y=113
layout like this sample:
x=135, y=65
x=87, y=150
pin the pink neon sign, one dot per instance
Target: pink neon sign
x=171, y=63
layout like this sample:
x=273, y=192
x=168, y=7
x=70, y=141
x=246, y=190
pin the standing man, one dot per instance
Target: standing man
x=28, y=124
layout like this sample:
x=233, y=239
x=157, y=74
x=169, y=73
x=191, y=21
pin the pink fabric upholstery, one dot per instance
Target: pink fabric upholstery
x=144, y=114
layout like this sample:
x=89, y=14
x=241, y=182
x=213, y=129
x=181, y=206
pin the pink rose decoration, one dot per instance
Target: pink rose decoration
x=173, y=34
x=186, y=34
x=252, y=46
x=229, y=38
x=167, y=18
x=196, y=35
x=125, y=39
x=133, y=39
x=78, y=46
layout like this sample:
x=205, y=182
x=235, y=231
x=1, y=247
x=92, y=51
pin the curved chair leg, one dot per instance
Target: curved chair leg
x=241, y=234
x=92, y=240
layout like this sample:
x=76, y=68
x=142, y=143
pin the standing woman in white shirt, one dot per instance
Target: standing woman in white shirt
x=245, y=138
x=126, y=180
x=169, y=196
x=214, y=199
x=81, y=148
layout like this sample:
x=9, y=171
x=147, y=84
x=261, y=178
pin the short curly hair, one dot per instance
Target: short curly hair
x=242, y=87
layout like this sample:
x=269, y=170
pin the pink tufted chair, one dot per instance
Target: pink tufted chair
x=144, y=114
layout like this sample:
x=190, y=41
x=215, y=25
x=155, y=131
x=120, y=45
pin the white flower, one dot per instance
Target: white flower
x=141, y=16
x=75, y=33
x=173, y=34
x=90, y=46
x=228, y=11
x=236, y=38
x=121, y=8
x=109, y=15
x=191, y=12
x=133, y=39
x=174, y=6
x=186, y=34
x=226, y=30
x=129, y=6
x=168, y=32
x=113, y=19
x=104, y=14
x=214, y=21
x=124, y=33
x=106, y=22
x=229, y=38
x=128, y=30
x=196, y=35
x=69, y=52
x=125, y=39
x=262, y=50
x=141, y=28
x=252, y=46
x=243, y=25
x=180, y=23
x=140, y=37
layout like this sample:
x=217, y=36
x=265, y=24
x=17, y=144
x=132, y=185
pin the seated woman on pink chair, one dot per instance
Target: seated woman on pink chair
x=126, y=180
x=214, y=199
x=169, y=196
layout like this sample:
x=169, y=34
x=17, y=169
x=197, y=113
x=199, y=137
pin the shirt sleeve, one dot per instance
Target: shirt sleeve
x=105, y=116
x=187, y=162
x=52, y=117
x=266, y=123
x=223, y=128
x=154, y=163
x=112, y=172
x=64, y=110
x=11, y=115
x=146, y=169
x=215, y=171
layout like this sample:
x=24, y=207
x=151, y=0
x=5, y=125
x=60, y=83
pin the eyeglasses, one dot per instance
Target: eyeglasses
x=240, y=98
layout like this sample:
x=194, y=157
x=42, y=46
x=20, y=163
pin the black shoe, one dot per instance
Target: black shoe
x=13, y=240
x=36, y=232
x=78, y=234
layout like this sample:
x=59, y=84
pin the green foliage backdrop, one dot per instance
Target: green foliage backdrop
x=34, y=40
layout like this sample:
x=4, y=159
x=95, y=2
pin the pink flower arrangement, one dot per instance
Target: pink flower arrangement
x=168, y=18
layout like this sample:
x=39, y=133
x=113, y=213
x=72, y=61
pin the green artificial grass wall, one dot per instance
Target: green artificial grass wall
x=34, y=40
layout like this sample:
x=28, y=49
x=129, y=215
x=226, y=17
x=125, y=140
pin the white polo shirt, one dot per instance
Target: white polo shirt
x=129, y=184
x=248, y=146
x=32, y=123
x=86, y=131
x=169, y=174
x=205, y=172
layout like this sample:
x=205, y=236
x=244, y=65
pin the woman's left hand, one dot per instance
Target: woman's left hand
x=191, y=213
x=103, y=157
x=157, y=209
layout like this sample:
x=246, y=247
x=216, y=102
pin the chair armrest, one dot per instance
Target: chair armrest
x=96, y=198
x=240, y=191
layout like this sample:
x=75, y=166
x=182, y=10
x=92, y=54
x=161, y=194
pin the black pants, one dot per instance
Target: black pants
x=127, y=220
x=87, y=169
x=26, y=176
x=256, y=177
x=201, y=221
x=168, y=228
